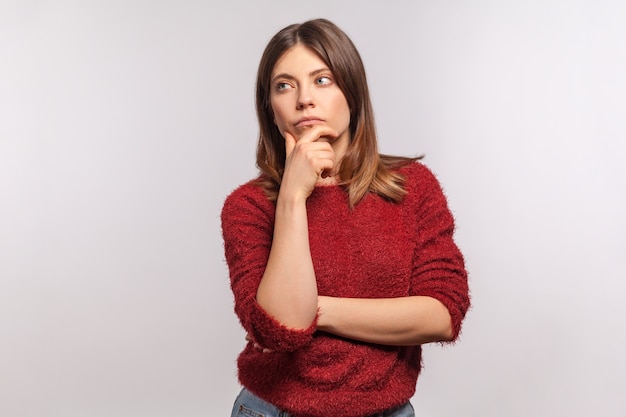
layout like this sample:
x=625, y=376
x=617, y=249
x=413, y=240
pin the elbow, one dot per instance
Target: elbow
x=447, y=333
x=441, y=334
x=443, y=329
x=272, y=334
x=438, y=330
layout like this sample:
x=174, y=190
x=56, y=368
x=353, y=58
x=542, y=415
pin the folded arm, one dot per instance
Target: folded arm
x=248, y=226
x=437, y=299
x=402, y=321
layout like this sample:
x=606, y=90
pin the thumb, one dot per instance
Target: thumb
x=290, y=143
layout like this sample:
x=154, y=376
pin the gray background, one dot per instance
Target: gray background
x=124, y=124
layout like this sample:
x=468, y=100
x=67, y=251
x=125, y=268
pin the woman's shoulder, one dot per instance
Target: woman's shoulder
x=420, y=180
x=416, y=172
x=250, y=193
x=405, y=165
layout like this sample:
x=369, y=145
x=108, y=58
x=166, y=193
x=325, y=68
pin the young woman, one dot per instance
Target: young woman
x=342, y=260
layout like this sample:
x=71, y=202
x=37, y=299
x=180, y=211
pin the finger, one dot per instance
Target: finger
x=316, y=132
x=325, y=158
x=322, y=159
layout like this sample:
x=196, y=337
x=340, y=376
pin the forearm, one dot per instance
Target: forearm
x=288, y=289
x=403, y=321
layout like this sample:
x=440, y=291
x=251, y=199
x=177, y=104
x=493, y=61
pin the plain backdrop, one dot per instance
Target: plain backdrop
x=124, y=125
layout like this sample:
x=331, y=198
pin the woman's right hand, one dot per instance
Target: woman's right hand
x=307, y=160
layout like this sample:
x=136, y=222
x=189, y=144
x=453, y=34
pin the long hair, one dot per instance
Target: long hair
x=362, y=168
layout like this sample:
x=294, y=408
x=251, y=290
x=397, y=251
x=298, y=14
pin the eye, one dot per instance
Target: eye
x=282, y=86
x=323, y=80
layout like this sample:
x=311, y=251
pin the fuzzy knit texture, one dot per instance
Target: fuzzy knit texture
x=378, y=249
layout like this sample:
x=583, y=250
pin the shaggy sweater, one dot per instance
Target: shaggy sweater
x=378, y=249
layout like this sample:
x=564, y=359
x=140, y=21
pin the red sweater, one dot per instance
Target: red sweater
x=378, y=249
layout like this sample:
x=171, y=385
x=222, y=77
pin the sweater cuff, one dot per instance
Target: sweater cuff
x=272, y=334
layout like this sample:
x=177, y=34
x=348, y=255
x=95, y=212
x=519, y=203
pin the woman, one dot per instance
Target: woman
x=342, y=261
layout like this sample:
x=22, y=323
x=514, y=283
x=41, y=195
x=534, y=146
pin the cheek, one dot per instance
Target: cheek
x=343, y=110
x=279, y=118
x=340, y=103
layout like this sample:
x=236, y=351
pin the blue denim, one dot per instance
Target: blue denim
x=249, y=405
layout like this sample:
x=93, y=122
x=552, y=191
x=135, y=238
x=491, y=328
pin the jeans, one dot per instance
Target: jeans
x=249, y=405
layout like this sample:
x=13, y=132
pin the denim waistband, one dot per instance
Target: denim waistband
x=249, y=405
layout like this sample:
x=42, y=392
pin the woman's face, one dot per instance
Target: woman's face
x=304, y=94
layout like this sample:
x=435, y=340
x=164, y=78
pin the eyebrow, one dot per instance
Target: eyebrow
x=291, y=77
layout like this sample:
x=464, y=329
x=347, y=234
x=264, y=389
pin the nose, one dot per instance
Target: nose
x=305, y=98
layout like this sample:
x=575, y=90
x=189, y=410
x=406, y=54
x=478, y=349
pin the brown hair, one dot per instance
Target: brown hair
x=362, y=168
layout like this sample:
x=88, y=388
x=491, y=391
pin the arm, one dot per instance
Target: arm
x=288, y=289
x=438, y=296
x=247, y=227
x=266, y=248
x=403, y=321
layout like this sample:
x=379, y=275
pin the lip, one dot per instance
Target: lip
x=308, y=121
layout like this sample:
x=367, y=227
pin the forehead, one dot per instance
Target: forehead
x=296, y=59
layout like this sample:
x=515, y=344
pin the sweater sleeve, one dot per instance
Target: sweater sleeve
x=438, y=265
x=247, y=230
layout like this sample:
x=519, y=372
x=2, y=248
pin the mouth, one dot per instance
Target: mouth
x=308, y=121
